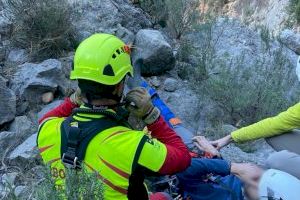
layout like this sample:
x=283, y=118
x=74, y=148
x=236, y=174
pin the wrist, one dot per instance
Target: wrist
x=234, y=168
x=228, y=139
x=152, y=116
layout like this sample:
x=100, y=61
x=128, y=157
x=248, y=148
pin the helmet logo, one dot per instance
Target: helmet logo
x=127, y=49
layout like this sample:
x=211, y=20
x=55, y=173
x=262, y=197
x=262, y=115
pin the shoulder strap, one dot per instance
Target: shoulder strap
x=75, y=137
x=138, y=152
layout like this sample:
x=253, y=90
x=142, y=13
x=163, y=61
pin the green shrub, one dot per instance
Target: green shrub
x=79, y=185
x=182, y=15
x=179, y=15
x=157, y=9
x=44, y=27
x=250, y=93
x=294, y=9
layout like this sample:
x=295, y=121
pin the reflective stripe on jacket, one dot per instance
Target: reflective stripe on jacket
x=283, y=122
x=110, y=153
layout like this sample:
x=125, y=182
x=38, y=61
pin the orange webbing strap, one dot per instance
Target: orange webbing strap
x=175, y=121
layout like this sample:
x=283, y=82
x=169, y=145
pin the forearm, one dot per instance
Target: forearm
x=63, y=110
x=178, y=157
x=269, y=127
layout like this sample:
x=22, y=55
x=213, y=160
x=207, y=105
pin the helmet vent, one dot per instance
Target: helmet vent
x=118, y=51
x=114, y=56
x=108, y=71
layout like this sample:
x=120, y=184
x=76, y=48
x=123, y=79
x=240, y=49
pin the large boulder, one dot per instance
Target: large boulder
x=291, y=40
x=108, y=16
x=7, y=102
x=22, y=126
x=25, y=154
x=155, y=51
x=31, y=81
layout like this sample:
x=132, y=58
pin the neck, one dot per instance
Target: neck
x=102, y=102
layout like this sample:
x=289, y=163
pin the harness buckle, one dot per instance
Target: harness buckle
x=71, y=161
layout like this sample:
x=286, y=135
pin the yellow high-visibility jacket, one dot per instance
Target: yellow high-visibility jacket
x=111, y=154
x=283, y=122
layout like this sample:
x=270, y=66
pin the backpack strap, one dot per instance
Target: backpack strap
x=76, y=135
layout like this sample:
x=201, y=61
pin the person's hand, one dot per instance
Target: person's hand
x=76, y=97
x=139, y=104
x=249, y=173
x=203, y=144
x=220, y=143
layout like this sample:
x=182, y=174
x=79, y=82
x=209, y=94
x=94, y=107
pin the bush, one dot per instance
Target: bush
x=157, y=9
x=44, y=27
x=79, y=185
x=179, y=15
x=294, y=9
x=182, y=15
x=252, y=93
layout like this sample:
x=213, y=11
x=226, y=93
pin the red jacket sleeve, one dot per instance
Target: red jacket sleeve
x=178, y=157
x=63, y=110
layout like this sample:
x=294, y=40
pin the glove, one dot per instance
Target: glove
x=76, y=97
x=139, y=104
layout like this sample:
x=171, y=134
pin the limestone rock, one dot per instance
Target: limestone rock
x=170, y=84
x=18, y=56
x=155, y=52
x=31, y=81
x=26, y=153
x=7, y=102
x=22, y=126
x=106, y=16
x=155, y=81
x=291, y=40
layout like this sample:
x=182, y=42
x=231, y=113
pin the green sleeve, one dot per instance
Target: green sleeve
x=153, y=155
x=269, y=127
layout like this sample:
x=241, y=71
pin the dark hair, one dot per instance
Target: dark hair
x=93, y=90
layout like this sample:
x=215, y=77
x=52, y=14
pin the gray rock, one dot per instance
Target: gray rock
x=235, y=154
x=20, y=190
x=10, y=140
x=26, y=153
x=228, y=128
x=126, y=35
x=170, y=85
x=184, y=103
x=31, y=81
x=9, y=178
x=18, y=56
x=22, y=126
x=155, y=81
x=291, y=40
x=7, y=102
x=105, y=16
x=49, y=107
x=154, y=50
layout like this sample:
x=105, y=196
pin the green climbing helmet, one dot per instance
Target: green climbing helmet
x=102, y=58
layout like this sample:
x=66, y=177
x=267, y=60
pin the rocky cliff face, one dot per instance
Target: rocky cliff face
x=272, y=14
